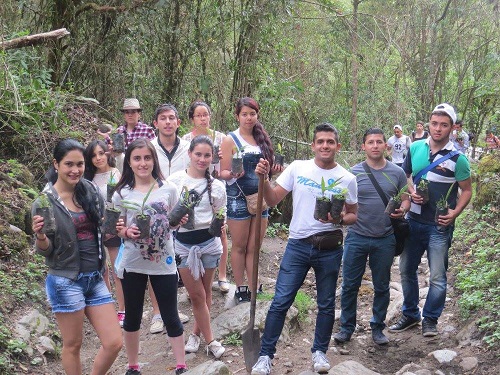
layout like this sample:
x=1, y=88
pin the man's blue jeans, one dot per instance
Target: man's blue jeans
x=425, y=237
x=380, y=251
x=299, y=257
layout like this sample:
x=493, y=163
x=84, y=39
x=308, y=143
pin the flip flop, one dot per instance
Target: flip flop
x=223, y=286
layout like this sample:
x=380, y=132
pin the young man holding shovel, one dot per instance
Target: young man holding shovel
x=446, y=170
x=311, y=243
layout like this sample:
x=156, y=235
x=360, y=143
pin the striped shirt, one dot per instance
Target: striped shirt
x=440, y=178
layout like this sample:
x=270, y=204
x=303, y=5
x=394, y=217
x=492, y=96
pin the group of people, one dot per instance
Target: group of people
x=155, y=165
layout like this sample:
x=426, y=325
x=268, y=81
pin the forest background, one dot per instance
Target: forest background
x=354, y=63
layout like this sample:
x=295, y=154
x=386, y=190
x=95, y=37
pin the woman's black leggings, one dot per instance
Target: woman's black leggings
x=165, y=288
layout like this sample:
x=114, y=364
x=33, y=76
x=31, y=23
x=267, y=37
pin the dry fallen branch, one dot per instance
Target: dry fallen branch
x=31, y=40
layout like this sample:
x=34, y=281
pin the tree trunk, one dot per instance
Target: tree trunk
x=354, y=74
x=32, y=40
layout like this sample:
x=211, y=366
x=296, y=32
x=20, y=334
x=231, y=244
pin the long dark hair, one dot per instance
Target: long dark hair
x=196, y=104
x=259, y=133
x=128, y=177
x=199, y=139
x=84, y=194
x=90, y=168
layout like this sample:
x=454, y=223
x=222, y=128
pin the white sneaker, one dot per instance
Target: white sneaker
x=263, y=366
x=156, y=324
x=183, y=317
x=320, y=362
x=192, y=344
x=216, y=349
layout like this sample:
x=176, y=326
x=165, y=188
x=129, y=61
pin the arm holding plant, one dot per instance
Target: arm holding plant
x=227, y=149
x=463, y=201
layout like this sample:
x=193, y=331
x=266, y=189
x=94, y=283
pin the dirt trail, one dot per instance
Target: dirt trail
x=294, y=357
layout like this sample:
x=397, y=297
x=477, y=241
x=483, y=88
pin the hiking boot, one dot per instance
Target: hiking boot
x=156, y=324
x=342, y=337
x=192, y=344
x=183, y=317
x=263, y=366
x=429, y=328
x=121, y=317
x=242, y=294
x=320, y=362
x=216, y=349
x=379, y=338
x=403, y=324
x=132, y=371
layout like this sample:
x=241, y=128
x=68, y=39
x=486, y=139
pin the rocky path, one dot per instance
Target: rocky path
x=456, y=350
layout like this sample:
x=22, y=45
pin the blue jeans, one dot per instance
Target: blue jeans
x=299, y=257
x=425, y=237
x=357, y=249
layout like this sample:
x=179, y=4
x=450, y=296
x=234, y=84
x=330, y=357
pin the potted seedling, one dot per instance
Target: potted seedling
x=442, y=208
x=118, y=140
x=110, y=186
x=111, y=216
x=279, y=158
x=423, y=190
x=142, y=220
x=182, y=207
x=395, y=201
x=324, y=203
x=215, y=152
x=237, y=161
x=338, y=200
x=217, y=222
x=105, y=128
x=45, y=210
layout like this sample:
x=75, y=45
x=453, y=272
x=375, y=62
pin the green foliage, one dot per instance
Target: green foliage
x=276, y=229
x=303, y=302
x=130, y=205
x=477, y=237
x=443, y=201
x=233, y=339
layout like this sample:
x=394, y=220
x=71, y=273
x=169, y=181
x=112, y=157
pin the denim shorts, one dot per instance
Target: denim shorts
x=237, y=204
x=208, y=261
x=66, y=295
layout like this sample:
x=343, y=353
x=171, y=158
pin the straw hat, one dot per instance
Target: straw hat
x=131, y=103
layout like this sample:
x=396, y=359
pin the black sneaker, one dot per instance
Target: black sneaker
x=379, y=338
x=132, y=371
x=242, y=294
x=429, y=328
x=403, y=324
x=180, y=370
x=341, y=337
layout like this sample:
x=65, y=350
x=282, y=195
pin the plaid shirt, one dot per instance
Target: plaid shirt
x=140, y=131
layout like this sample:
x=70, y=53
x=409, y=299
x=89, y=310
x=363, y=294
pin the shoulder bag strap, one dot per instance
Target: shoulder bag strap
x=419, y=175
x=236, y=140
x=375, y=183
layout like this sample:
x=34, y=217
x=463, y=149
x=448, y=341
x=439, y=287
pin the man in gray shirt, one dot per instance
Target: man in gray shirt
x=371, y=236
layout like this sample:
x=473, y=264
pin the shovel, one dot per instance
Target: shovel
x=251, y=335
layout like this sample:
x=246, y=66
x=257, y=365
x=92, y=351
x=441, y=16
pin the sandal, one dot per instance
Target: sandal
x=223, y=286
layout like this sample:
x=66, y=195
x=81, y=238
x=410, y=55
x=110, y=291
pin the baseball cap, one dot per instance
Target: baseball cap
x=398, y=127
x=448, y=109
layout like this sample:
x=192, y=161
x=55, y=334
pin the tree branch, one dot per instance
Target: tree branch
x=111, y=9
x=31, y=40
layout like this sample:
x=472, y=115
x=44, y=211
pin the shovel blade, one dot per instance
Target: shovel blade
x=251, y=346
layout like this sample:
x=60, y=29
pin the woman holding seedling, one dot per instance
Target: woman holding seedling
x=199, y=114
x=143, y=196
x=198, y=248
x=251, y=142
x=75, y=255
x=99, y=168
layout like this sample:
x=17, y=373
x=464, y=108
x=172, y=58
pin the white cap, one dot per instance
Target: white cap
x=450, y=111
x=398, y=127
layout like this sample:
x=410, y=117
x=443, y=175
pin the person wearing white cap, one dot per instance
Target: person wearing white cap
x=133, y=128
x=398, y=145
x=437, y=161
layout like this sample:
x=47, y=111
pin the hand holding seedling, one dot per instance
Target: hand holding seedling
x=415, y=198
x=445, y=220
x=398, y=213
x=37, y=224
x=131, y=232
x=336, y=220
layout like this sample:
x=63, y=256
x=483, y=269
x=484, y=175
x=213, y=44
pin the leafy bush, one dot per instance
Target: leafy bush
x=478, y=273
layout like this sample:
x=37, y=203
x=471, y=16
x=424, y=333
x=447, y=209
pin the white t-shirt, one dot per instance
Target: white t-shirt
x=303, y=179
x=400, y=147
x=101, y=180
x=204, y=211
x=179, y=161
x=153, y=255
x=216, y=141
